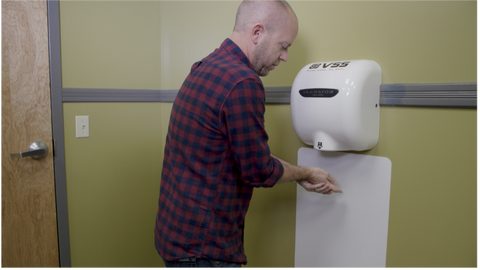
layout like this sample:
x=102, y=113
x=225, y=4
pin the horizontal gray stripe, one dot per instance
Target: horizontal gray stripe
x=423, y=95
x=117, y=95
x=429, y=95
x=276, y=95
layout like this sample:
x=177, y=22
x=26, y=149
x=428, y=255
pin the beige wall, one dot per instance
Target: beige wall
x=113, y=176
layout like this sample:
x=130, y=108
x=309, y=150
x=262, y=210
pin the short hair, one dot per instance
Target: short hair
x=268, y=12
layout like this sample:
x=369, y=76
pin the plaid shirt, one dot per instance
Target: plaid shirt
x=216, y=153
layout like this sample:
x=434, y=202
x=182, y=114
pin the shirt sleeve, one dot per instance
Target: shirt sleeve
x=244, y=112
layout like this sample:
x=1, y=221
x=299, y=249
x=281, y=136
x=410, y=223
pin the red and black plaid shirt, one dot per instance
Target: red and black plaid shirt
x=216, y=153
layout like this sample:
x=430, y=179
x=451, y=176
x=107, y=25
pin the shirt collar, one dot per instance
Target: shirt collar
x=230, y=46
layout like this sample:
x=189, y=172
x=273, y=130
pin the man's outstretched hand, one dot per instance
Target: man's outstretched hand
x=320, y=181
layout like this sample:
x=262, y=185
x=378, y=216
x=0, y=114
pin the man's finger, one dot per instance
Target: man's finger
x=332, y=180
x=337, y=190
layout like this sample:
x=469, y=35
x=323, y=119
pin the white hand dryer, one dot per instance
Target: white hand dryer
x=335, y=105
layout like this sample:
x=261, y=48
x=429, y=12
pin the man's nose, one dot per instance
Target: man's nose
x=284, y=56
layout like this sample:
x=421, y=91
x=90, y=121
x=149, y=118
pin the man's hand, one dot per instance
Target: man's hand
x=310, y=178
x=320, y=181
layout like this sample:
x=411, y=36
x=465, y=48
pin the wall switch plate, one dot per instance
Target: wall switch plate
x=82, y=129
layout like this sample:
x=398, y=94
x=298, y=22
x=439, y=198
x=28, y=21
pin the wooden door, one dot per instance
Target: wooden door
x=29, y=228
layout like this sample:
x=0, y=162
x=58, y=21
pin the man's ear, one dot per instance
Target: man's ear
x=257, y=31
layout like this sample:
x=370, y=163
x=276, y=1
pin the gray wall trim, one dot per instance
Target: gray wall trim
x=463, y=95
x=117, y=95
x=277, y=95
x=57, y=132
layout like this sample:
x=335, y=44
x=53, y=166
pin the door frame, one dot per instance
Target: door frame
x=53, y=14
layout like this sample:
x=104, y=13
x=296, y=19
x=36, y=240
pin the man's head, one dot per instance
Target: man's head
x=264, y=29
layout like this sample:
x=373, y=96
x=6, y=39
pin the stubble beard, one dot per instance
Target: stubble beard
x=260, y=61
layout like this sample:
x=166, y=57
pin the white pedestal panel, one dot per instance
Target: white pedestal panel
x=348, y=229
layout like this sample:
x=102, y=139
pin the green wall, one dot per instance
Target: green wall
x=113, y=176
x=112, y=183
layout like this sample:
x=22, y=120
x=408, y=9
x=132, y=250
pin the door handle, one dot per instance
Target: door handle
x=36, y=150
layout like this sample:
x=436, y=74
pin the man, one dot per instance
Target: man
x=216, y=150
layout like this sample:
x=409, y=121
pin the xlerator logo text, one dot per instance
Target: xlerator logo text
x=318, y=92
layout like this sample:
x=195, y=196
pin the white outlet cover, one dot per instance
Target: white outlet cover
x=82, y=127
